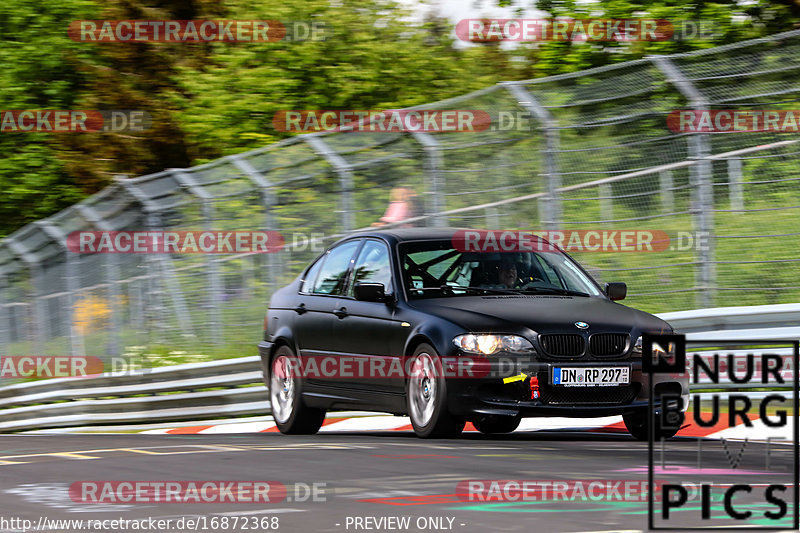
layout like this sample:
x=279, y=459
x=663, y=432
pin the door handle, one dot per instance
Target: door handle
x=300, y=309
x=341, y=312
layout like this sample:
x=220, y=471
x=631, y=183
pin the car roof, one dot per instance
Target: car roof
x=408, y=234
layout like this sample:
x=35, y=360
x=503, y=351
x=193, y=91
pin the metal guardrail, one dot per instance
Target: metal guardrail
x=234, y=387
x=766, y=319
x=180, y=392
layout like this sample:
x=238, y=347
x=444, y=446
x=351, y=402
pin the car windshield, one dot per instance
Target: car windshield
x=438, y=269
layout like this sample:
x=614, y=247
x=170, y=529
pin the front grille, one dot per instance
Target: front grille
x=568, y=345
x=555, y=395
x=607, y=344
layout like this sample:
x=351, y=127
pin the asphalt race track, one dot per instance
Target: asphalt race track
x=368, y=475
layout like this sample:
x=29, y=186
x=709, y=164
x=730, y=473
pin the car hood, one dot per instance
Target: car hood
x=542, y=314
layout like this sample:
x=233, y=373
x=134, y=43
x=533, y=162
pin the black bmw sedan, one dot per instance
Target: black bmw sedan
x=414, y=322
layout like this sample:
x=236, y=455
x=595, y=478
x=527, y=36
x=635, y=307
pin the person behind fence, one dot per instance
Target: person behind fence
x=402, y=206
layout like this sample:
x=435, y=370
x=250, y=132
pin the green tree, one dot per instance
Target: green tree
x=727, y=21
x=372, y=57
x=40, y=71
x=41, y=173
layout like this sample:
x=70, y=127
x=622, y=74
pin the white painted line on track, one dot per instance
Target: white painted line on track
x=538, y=424
x=367, y=423
x=241, y=427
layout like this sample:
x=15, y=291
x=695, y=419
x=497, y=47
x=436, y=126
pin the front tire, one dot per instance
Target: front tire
x=291, y=415
x=426, y=397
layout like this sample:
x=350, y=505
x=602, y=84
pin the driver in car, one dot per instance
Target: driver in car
x=508, y=276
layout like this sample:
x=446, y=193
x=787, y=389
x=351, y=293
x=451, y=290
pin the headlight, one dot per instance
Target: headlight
x=489, y=344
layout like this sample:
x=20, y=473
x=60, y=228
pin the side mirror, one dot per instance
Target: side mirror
x=370, y=292
x=616, y=291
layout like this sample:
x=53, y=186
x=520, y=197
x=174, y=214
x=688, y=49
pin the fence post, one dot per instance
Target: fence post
x=111, y=267
x=606, y=202
x=735, y=187
x=215, y=292
x=153, y=300
x=163, y=263
x=72, y=284
x=701, y=181
x=39, y=313
x=665, y=186
x=38, y=332
x=492, y=218
x=552, y=206
x=274, y=267
x=433, y=165
x=343, y=170
x=5, y=319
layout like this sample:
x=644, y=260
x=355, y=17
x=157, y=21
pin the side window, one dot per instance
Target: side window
x=373, y=266
x=308, y=282
x=333, y=274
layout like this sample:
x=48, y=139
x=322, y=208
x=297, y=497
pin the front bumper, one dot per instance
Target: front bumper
x=490, y=396
x=264, y=351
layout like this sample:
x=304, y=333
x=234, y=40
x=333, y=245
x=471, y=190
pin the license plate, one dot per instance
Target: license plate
x=591, y=376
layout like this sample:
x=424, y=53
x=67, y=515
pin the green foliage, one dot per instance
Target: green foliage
x=41, y=70
x=726, y=21
x=370, y=58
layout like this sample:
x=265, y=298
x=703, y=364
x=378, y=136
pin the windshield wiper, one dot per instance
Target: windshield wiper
x=489, y=290
x=554, y=290
x=466, y=288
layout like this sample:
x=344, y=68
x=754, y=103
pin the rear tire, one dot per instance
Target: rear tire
x=291, y=415
x=489, y=425
x=426, y=397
